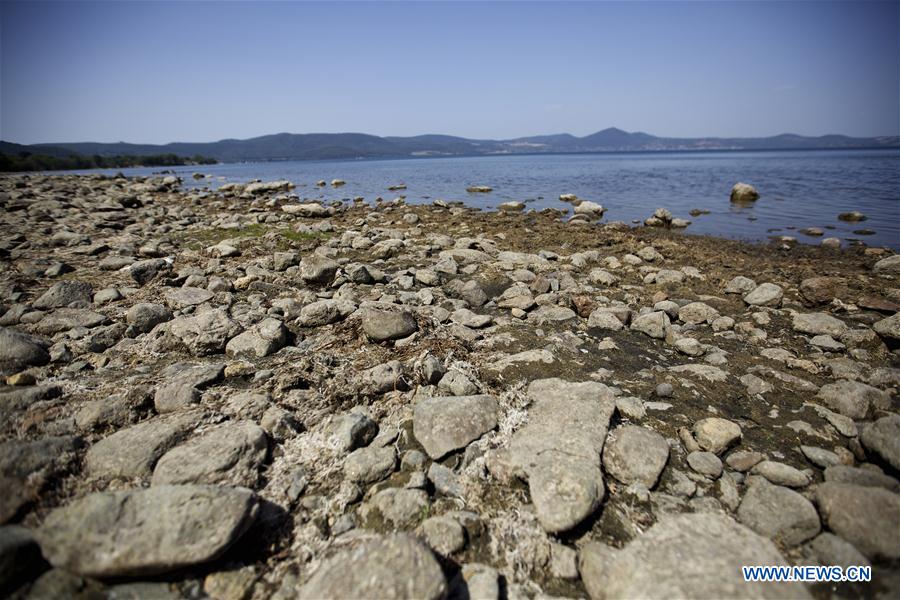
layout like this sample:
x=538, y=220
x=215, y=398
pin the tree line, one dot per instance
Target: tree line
x=26, y=161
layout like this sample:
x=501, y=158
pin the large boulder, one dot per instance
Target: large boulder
x=697, y=555
x=445, y=424
x=389, y=568
x=867, y=517
x=145, y=532
x=559, y=450
x=744, y=192
x=18, y=351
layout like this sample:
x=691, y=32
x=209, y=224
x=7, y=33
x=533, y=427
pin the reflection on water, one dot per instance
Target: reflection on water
x=799, y=189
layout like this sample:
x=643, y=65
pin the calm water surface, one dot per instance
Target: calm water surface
x=799, y=188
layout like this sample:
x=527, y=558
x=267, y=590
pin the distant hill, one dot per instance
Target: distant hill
x=313, y=146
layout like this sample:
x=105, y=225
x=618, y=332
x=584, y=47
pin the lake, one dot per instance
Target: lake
x=798, y=189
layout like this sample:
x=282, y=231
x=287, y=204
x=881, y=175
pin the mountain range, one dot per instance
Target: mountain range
x=318, y=146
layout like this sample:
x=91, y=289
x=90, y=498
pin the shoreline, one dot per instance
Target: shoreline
x=388, y=381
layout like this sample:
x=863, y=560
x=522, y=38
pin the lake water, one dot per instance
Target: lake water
x=798, y=189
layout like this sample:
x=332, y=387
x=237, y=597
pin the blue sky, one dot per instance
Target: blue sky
x=157, y=72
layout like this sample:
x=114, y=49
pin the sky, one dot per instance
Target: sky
x=156, y=72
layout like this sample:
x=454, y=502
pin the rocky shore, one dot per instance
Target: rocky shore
x=237, y=395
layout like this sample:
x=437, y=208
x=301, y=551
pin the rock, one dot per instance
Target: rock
x=778, y=513
x=352, y=430
x=740, y=285
x=182, y=385
x=512, y=206
x=228, y=454
x=781, y=474
x=144, y=271
x=888, y=266
x=390, y=568
x=479, y=189
x=265, y=338
x=591, y=209
x=444, y=534
x=696, y=313
x=766, y=294
x=705, y=463
x=820, y=457
x=559, y=449
x=866, y=517
x=380, y=325
x=206, y=333
x=743, y=192
x=456, y=383
x=467, y=318
x=863, y=477
x=635, y=454
x=183, y=297
x=145, y=316
x=145, y=532
x=19, y=351
x=65, y=293
x=26, y=466
x=318, y=269
x=688, y=556
x=689, y=346
x=20, y=557
x=653, y=324
x=603, y=319
x=716, y=435
x=818, y=324
x=369, y=465
x=325, y=312
x=852, y=398
x=829, y=549
x=852, y=217
x=133, y=452
x=445, y=424
x=889, y=328
x=883, y=439
x=820, y=290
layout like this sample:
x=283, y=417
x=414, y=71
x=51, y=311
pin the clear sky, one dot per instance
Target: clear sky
x=157, y=72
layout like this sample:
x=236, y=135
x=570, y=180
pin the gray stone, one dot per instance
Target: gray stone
x=818, y=324
x=183, y=384
x=401, y=507
x=390, y=568
x=830, y=549
x=448, y=423
x=867, y=517
x=380, y=325
x=144, y=532
x=603, y=319
x=697, y=312
x=778, y=513
x=133, y=452
x=740, y=285
x=558, y=450
x=20, y=556
x=705, y=463
x=384, y=378
x=19, y=351
x=861, y=477
x=852, y=398
x=325, y=312
x=263, y=339
x=26, y=466
x=145, y=270
x=888, y=266
x=716, y=434
x=206, y=333
x=883, y=439
x=743, y=193
x=144, y=317
x=456, y=383
x=368, y=465
x=63, y=319
x=178, y=298
x=318, y=269
x=64, y=293
x=635, y=454
x=467, y=318
x=653, y=324
x=688, y=556
x=352, y=431
x=781, y=474
x=820, y=457
x=444, y=534
x=889, y=328
x=766, y=294
x=228, y=454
